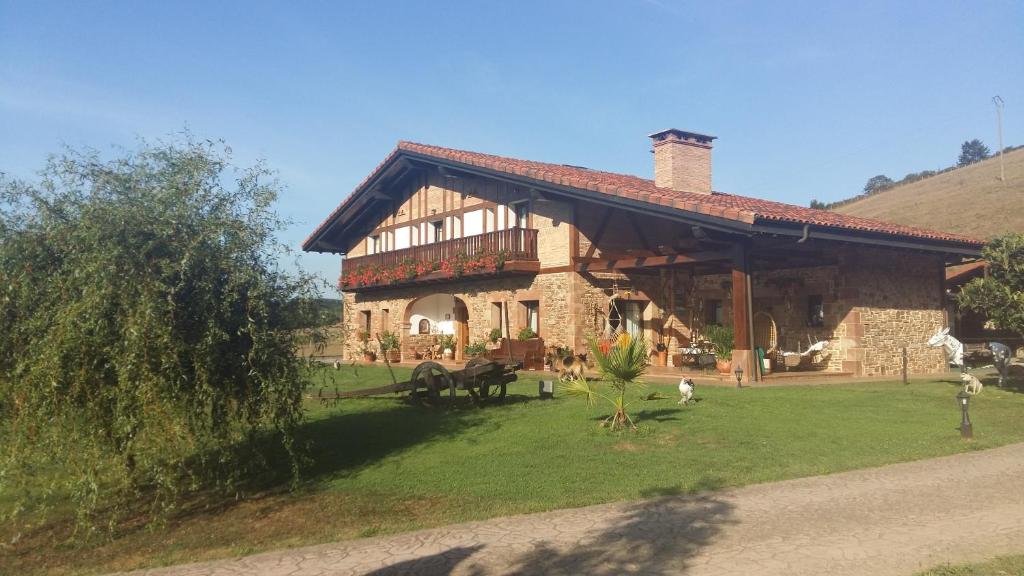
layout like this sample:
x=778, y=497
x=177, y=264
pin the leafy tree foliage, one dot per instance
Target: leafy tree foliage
x=972, y=151
x=876, y=183
x=818, y=204
x=147, y=348
x=1000, y=294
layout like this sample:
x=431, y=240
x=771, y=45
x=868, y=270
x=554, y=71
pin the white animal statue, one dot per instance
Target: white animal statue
x=972, y=385
x=686, y=388
x=953, y=348
x=1001, y=355
x=337, y=364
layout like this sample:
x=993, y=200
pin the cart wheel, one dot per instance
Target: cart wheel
x=432, y=378
x=493, y=391
x=487, y=390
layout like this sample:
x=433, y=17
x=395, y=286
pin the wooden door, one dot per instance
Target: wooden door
x=461, y=319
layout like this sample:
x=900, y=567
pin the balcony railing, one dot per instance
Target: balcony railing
x=514, y=244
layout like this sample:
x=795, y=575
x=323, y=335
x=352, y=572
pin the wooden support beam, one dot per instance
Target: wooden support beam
x=639, y=231
x=599, y=234
x=742, y=316
x=598, y=265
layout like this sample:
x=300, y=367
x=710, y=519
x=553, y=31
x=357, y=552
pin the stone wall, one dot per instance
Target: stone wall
x=875, y=303
x=551, y=292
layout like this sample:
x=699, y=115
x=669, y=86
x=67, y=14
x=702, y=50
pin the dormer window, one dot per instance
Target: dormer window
x=373, y=244
x=436, y=231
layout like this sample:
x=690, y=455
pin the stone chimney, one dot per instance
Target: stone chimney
x=682, y=161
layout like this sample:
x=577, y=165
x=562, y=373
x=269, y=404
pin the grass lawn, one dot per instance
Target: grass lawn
x=1005, y=566
x=381, y=465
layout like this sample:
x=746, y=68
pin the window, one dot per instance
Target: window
x=632, y=314
x=424, y=327
x=364, y=323
x=614, y=318
x=384, y=320
x=522, y=212
x=497, y=319
x=533, y=315
x=713, y=313
x=436, y=231
x=815, y=311
x=373, y=244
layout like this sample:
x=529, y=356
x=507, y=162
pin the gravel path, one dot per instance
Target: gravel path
x=895, y=519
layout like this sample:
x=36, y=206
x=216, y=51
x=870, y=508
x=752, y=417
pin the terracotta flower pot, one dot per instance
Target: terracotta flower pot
x=369, y=357
x=724, y=366
x=663, y=358
x=394, y=356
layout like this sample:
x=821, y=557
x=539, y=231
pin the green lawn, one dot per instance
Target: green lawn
x=1005, y=566
x=381, y=465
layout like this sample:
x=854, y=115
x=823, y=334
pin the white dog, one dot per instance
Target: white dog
x=686, y=388
x=972, y=385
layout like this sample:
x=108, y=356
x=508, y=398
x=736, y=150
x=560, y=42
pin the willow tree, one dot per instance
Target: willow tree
x=148, y=347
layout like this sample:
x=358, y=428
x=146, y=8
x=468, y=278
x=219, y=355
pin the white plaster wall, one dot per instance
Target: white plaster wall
x=474, y=223
x=402, y=238
x=433, y=308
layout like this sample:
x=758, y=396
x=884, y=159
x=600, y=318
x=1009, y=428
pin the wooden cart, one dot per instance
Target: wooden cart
x=485, y=380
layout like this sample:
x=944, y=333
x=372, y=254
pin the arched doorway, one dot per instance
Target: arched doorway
x=427, y=317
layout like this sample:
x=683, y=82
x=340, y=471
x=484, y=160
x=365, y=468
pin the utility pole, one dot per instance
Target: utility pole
x=999, y=122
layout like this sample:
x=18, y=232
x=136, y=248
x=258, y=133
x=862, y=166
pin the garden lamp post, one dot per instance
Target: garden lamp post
x=964, y=399
x=739, y=376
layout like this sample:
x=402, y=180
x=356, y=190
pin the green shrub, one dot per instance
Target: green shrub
x=446, y=341
x=476, y=349
x=721, y=337
x=389, y=341
x=526, y=334
x=495, y=335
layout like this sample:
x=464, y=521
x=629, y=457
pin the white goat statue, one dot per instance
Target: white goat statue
x=686, y=389
x=972, y=385
x=954, y=348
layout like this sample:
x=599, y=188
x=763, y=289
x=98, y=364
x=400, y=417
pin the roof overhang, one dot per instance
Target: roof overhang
x=330, y=236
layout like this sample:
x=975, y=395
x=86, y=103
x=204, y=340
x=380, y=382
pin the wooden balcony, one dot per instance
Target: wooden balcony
x=517, y=246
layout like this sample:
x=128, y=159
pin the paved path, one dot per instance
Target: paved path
x=892, y=520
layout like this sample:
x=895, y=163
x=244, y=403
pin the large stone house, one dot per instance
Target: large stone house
x=437, y=240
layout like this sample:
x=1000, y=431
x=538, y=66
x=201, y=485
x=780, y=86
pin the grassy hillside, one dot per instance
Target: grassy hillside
x=968, y=200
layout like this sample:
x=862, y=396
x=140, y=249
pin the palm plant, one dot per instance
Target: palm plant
x=620, y=366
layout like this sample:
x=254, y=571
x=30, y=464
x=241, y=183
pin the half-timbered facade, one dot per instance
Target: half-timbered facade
x=442, y=241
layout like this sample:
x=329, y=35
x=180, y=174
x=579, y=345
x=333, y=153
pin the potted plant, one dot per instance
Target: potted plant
x=493, y=338
x=447, y=344
x=526, y=334
x=721, y=338
x=661, y=347
x=661, y=350
x=364, y=347
x=476, y=349
x=390, y=345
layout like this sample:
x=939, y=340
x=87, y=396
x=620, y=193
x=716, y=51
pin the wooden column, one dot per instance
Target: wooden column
x=742, y=354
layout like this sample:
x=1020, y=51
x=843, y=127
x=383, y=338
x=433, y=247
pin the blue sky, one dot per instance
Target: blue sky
x=808, y=100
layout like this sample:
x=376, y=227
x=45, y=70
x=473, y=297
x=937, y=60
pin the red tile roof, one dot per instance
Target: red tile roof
x=727, y=206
